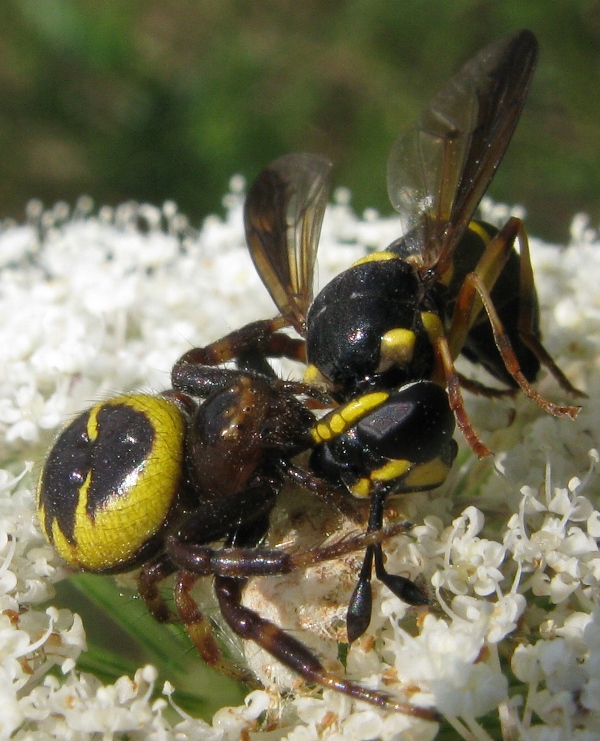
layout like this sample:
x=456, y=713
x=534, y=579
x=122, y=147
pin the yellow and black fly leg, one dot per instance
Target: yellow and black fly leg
x=482, y=298
x=474, y=284
x=482, y=389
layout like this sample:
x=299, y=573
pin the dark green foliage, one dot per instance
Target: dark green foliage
x=166, y=99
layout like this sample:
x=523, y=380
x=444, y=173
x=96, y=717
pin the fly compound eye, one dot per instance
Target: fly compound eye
x=110, y=481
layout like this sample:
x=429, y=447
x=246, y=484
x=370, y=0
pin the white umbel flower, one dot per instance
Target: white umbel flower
x=97, y=303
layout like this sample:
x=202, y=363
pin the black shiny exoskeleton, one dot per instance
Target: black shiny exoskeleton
x=185, y=482
x=414, y=419
x=348, y=318
x=397, y=320
x=381, y=340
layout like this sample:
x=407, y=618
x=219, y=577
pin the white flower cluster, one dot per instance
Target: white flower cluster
x=96, y=303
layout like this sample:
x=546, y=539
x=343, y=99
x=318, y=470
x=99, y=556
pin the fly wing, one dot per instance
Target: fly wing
x=439, y=169
x=283, y=215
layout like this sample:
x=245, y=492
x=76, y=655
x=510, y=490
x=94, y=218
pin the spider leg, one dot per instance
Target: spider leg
x=336, y=497
x=249, y=625
x=234, y=564
x=150, y=576
x=244, y=562
x=239, y=560
x=258, y=338
x=201, y=632
x=199, y=371
x=197, y=625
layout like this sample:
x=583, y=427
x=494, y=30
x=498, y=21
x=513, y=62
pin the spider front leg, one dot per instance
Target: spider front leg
x=260, y=339
x=200, y=631
x=237, y=561
x=199, y=372
x=244, y=562
x=149, y=578
x=194, y=560
x=247, y=512
x=249, y=625
x=335, y=497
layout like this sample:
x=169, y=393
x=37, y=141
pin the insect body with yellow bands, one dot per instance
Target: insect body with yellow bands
x=396, y=321
x=184, y=483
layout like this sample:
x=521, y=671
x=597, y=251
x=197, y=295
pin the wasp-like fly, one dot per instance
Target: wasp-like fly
x=382, y=337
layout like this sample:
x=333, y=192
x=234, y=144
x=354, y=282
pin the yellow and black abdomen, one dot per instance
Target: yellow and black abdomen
x=110, y=482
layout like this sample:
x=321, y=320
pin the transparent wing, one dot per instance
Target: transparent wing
x=283, y=215
x=439, y=169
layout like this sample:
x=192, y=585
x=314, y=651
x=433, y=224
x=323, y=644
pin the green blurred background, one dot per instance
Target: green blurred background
x=166, y=99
